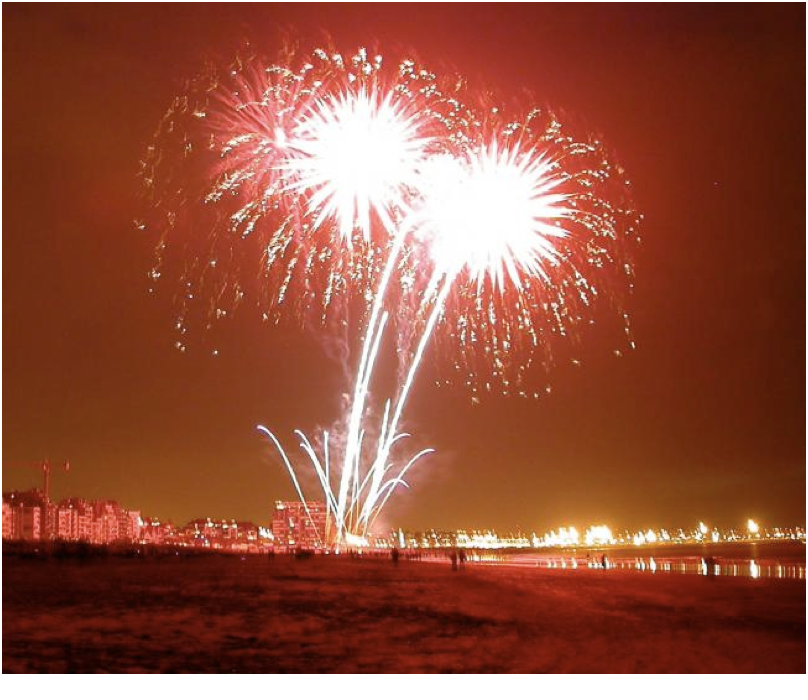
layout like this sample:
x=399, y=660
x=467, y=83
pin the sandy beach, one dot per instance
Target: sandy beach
x=221, y=614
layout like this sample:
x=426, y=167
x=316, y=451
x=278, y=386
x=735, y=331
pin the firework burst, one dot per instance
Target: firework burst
x=530, y=227
x=251, y=160
x=354, y=154
x=493, y=214
x=345, y=179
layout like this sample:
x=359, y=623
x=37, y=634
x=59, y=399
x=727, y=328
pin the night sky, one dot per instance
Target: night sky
x=704, y=107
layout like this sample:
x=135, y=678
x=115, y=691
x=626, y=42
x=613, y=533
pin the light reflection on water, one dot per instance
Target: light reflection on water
x=710, y=566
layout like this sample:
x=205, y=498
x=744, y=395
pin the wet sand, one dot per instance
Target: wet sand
x=211, y=614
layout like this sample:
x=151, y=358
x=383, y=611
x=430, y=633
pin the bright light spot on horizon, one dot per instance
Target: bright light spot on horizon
x=352, y=540
x=598, y=534
x=564, y=538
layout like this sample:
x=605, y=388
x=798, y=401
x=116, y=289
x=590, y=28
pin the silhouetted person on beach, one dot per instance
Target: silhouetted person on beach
x=603, y=561
x=453, y=557
x=394, y=556
x=461, y=557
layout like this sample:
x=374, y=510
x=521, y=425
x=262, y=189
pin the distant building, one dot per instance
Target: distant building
x=8, y=523
x=28, y=516
x=222, y=534
x=30, y=522
x=67, y=522
x=151, y=531
x=133, y=525
x=110, y=516
x=85, y=517
x=23, y=515
x=300, y=526
x=154, y=531
x=48, y=511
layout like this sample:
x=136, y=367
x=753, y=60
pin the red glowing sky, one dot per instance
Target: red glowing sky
x=705, y=107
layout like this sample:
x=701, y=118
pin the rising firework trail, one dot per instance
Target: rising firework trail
x=356, y=180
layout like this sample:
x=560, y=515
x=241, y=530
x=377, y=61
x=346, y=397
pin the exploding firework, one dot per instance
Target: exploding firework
x=347, y=179
x=355, y=154
x=530, y=231
x=290, y=177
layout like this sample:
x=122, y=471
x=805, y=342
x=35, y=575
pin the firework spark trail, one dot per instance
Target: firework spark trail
x=350, y=467
x=366, y=365
x=338, y=505
x=389, y=434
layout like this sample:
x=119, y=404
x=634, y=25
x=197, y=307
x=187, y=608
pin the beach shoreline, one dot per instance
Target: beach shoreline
x=221, y=614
